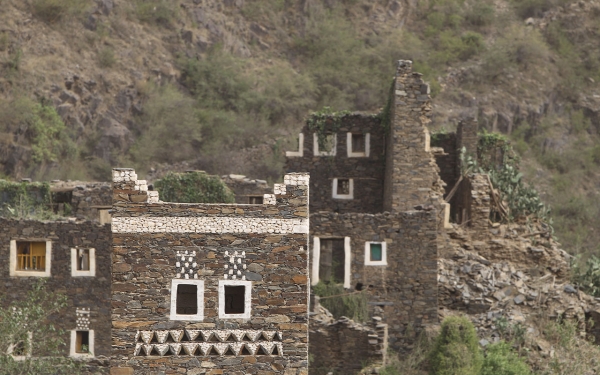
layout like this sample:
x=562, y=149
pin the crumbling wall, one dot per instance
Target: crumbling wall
x=245, y=189
x=346, y=347
x=91, y=293
x=448, y=161
x=90, y=198
x=411, y=174
x=262, y=247
x=367, y=172
x=405, y=289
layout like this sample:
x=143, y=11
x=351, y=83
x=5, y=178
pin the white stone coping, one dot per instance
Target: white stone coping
x=78, y=273
x=212, y=224
x=199, y=316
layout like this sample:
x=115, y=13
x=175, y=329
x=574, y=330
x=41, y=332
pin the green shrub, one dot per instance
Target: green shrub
x=535, y=8
x=158, y=12
x=52, y=11
x=106, y=57
x=481, y=13
x=353, y=306
x=501, y=360
x=456, y=350
x=193, y=187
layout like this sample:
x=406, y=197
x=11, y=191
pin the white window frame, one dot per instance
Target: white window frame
x=427, y=141
x=247, y=299
x=316, y=150
x=300, y=152
x=13, y=260
x=28, y=349
x=368, y=261
x=334, y=193
x=317, y=258
x=78, y=273
x=199, y=316
x=73, y=353
x=363, y=154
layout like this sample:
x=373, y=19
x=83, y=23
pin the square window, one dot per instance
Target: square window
x=375, y=254
x=235, y=297
x=300, y=152
x=324, y=145
x=187, y=300
x=343, y=188
x=82, y=344
x=83, y=262
x=30, y=258
x=20, y=349
x=255, y=200
x=358, y=144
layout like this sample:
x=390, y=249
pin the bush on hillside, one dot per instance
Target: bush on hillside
x=51, y=11
x=353, y=306
x=193, y=187
x=501, y=360
x=456, y=350
x=158, y=12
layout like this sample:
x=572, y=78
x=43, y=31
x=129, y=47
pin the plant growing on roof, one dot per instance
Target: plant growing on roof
x=324, y=123
x=193, y=187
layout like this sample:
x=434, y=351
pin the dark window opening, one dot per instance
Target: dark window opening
x=20, y=349
x=234, y=299
x=343, y=186
x=255, y=200
x=376, y=252
x=332, y=260
x=83, y=259
x=358, y=143
x=326, y=143
x=187, y=299
x=359, y=286
x=82, y=342
x=31, y=256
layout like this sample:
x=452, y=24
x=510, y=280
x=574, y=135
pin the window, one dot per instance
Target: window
x=255, y=200
x=358, y=144
x=187, y=299
x=83, y=262
x=300, y=152
x=30, y=258
x=21, y=348
x=343, y=188
x=235, y=297
x=331, y=260
x=82, y=343
x=328, y=143
x=375, y=254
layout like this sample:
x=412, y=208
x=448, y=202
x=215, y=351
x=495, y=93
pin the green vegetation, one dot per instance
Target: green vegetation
x=341, y=303
x=193, y=187
x=325, y=122
x=501, y=360
x=106, y=57
x=456, y=350
x=31, y=315
x=52, y=11
x=22, y=200
x=157, y=12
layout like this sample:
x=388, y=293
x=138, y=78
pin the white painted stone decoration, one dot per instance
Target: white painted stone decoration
x=271, y=345
x=235, y=268
x=186, y=265
x=82, y=323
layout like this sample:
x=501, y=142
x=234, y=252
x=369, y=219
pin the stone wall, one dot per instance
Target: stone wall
x=82, y=292
x=90, y=198
x=411, y=174
x=346, y=347
x=245, y=188
x=262, y=247
x=405, y=288
x=448, y=162
x=367, y=172
x=467, y=136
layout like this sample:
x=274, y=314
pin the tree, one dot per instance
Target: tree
x=456, y=350
x=27, y=332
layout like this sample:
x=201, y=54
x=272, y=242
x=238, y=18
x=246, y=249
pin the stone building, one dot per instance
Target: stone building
x=209, y=288
x=74, y=258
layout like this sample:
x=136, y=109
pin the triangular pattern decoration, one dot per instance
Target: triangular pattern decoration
x=207, y=334
x=162, y=349
x=189, y=348
x=221, y=347
x=236, y=347
x=268, y=335
x=175, y=348
x=147, y=336
x=176, y=335
x=161, y=336
x=222, y=335
x=205, y=348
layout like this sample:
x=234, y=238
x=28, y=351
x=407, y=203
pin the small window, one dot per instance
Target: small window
x=21, y=349
x=187, y=300
x=255, y=200
x=332, y=260
x=83, y=262
x=235, y=297
x=82, y=343
x=300, y=152
x=324, y=145
x=358, y=144
x=375, y=254
x=343, y=188
x=30, y=258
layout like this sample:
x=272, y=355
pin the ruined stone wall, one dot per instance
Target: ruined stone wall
x=88, y=199
x=467, y=136
x=245, y=188
x=263, y=246
x=405, y=288
x=367, y=172
x=448, y=163
x=411, y=175
x=83, y=292
x=345, y=347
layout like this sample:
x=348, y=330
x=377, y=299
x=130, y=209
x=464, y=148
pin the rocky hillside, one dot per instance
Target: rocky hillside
x=224, y=85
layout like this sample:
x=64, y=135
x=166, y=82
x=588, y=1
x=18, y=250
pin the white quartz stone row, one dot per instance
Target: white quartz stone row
x=141, y=185
x=124, y=176
x=296, y=179
x=215, y=224
x=279, y=189
x=269, y=199
x=205, y=348
x=153, y=197
x=239, y=335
